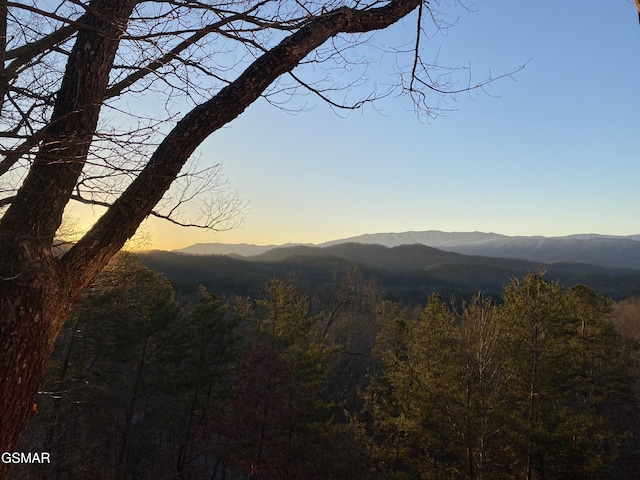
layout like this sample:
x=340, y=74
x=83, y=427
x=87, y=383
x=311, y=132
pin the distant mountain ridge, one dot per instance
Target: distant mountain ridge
x=605, y=250
x=241, y=249
x=430, y=238
x=406, y=272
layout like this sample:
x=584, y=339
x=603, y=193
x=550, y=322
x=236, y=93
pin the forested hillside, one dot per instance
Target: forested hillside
x=409, y=273
x=335, y=379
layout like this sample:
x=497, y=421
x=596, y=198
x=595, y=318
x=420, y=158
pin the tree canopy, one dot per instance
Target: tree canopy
x=531, y=388
x=539, y=384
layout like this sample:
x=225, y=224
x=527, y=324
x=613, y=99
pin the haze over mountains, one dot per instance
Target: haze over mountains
x=603, y=250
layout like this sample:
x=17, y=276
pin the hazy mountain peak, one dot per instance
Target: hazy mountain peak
x=431, y=238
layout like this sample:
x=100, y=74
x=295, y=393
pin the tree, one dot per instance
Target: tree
x=69, y=65
x=414, y=400
x=569, y=375
x=207, y=349
x=626, y=318
x=100, y=411
x=348, y=307
x=483, y=388
x=258, y=429
x=538, y=326
x=541, y=386
x=276, y=413
x=133, y=380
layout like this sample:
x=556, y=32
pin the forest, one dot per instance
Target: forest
x=337, y=379
x=409, y=273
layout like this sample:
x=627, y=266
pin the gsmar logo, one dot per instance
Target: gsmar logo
x=22, y=457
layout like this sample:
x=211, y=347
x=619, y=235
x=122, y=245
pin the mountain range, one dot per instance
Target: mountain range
x=602, y=250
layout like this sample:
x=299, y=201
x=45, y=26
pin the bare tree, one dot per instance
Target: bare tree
x=72, y=74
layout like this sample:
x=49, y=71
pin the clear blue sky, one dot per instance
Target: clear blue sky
x=554, y=150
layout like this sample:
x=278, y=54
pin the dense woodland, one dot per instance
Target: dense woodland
x=409, y=273
x=336, y=379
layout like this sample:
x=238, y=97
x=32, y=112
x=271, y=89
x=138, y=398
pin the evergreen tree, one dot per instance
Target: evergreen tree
x=277, y=414
x=414, y=407
x=560, y=348
x=196, y=380
x=537, y=388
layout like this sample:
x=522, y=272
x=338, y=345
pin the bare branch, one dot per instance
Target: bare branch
x=173, y=54
x=23, y=54
x=342, y=106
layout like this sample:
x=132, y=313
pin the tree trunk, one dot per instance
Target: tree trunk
x=32, y=316
x=37, y=292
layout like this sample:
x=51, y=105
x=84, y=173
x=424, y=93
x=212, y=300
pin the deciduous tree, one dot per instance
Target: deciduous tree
x=71, y=71
x=101, y=405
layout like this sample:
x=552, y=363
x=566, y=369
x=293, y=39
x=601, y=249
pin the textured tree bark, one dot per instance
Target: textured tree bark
x=37, y=290
x=36, y=295
x=31, y=318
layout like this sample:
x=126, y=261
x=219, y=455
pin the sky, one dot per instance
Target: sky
x=551, y=150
